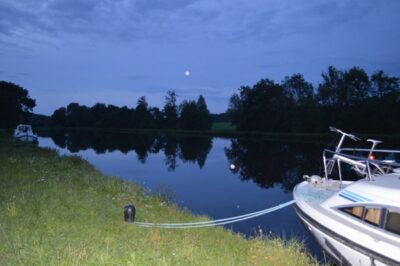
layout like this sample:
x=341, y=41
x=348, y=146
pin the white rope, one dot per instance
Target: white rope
x=216, y=222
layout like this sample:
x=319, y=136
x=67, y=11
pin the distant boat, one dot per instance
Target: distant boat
x=355, y=222
x=25, y=133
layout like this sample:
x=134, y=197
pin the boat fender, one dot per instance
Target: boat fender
x=314, y=179
x=129, y=213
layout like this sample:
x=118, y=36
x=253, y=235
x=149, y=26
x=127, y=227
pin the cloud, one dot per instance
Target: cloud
x=181, y=20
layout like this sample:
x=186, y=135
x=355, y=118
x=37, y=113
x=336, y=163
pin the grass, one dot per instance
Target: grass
x=223, y=126
x=59, y=210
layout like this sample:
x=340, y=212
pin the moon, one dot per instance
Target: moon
x=187, y=73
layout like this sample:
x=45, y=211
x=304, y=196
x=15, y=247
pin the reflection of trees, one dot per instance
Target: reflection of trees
x=170, y=146
x=188, y=148
x=195, y=149
x=267, y=163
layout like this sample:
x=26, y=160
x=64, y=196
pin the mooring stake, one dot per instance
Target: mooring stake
x=129, y=213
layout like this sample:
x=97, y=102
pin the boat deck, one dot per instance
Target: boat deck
x=318, y=193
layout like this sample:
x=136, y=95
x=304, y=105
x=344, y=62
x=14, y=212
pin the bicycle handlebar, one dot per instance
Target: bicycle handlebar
x=353, y=137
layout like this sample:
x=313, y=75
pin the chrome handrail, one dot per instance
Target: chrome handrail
x=367, y=150
x=360, y=164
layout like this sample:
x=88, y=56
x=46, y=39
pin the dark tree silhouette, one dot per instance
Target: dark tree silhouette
x=301, y=94
x=59, y=117
x=156, y=117
x=15, y=104
x=170, y=110
x=189, y=116
x=142, y=114
x=195, y=115
x=203, y=113
x=265, y=107
x=348, y=99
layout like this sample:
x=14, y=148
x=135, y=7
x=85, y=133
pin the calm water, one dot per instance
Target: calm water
x=217, y=177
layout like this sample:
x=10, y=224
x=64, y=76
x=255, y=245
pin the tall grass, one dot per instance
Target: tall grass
x=58, y=210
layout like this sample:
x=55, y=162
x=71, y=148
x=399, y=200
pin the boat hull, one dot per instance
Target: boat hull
x=28, y=138
x=341, y=249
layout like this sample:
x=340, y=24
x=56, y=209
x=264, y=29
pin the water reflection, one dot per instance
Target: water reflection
x=190, y=149
x=267, y=163
x=264, y=162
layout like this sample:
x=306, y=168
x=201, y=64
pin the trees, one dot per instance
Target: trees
x=142, y=114
x=298, y=89
x=383, y=85
x=344, y=88
x=189, y=115
x=348, y=99
x=328, y=90
x=59, y=117
x=203, y=113
x=303, y=109
x=264, y=107
x=15, y=104
x=344, y=98
x=356, y=86
x=234, y=110
x=170, y=110
x=97, y=115
x=195, y=115
x=76, y=115
x=156, y=117
x=384, y=105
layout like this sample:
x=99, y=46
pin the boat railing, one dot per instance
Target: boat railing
x=365, y=166
x=368, y=150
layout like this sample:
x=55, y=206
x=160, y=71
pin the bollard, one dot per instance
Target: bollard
x=129, y=213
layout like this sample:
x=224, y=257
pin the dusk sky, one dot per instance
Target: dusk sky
x=114, y=51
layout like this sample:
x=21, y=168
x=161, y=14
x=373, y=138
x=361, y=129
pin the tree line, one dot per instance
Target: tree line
x=189, y=115
x=348, y=99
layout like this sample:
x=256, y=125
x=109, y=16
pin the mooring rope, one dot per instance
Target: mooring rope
x=216, y=222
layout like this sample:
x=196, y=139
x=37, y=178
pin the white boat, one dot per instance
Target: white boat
x=355, y=222
x=25, y=133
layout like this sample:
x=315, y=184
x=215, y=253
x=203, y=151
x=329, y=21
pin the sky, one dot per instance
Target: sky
x=114, y=51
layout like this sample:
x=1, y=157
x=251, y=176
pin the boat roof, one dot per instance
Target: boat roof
x=23, y=125
x=383, y=189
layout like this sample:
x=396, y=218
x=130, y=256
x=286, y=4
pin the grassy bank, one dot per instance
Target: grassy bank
x=60, y=210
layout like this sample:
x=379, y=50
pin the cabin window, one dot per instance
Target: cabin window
x=393, y=222
x=373, y=216
x=354, y=211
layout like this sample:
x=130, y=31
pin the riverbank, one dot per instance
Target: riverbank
x=60, y=210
